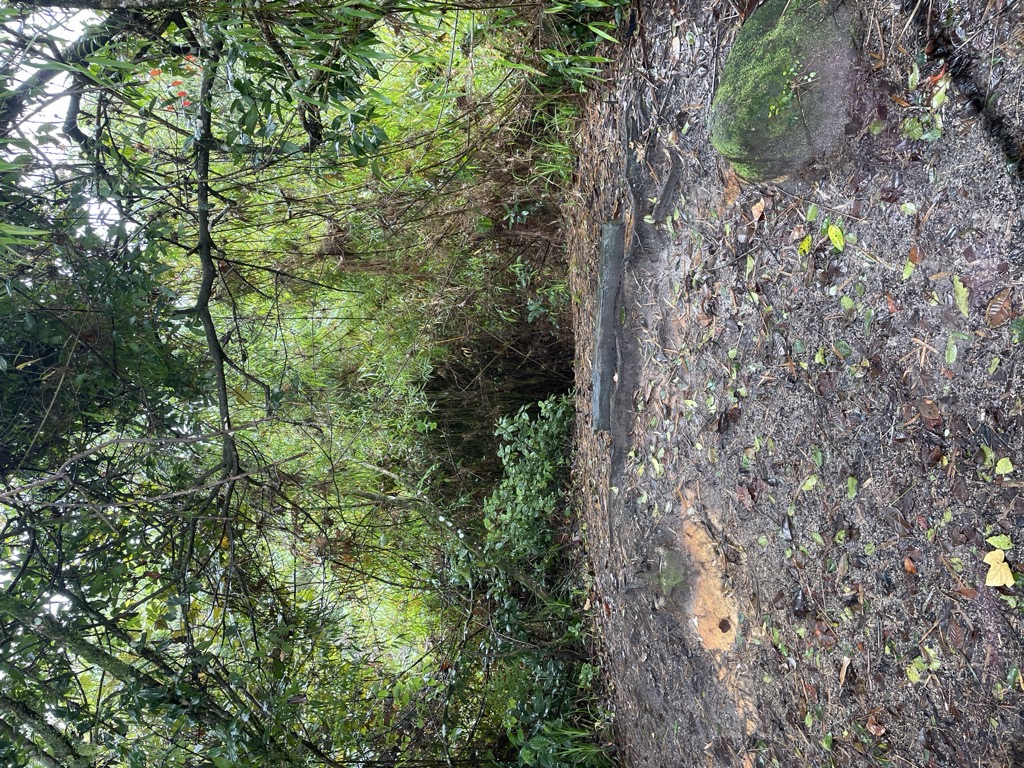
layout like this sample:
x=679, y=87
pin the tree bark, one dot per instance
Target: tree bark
x=61, y=750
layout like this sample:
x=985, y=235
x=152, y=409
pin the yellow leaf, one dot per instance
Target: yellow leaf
x=999, y=573
x=225, y=543
x=995, y=557
x=835, y=234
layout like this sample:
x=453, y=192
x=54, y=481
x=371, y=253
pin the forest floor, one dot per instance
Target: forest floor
x=815, y=441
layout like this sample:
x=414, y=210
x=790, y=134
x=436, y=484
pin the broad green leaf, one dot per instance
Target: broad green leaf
x=1004, y=466
x=914, y=78
x=601, y=33
x=12, y=230
x=521, y=67
x=951, y=351
x=1000, y=541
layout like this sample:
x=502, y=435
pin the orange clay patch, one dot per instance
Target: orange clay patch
x=711, y=613
x=708, y=609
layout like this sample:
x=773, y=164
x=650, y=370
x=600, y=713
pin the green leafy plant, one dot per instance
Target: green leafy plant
x=929, y=97
x=542, y=674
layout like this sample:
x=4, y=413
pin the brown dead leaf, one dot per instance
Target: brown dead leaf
x=744, y=497
x=757, y=210
x=891, y=303
x=1000, y=309
x=842, y=670
x=874, y=727
x=930, y=413
x=916, y=255
x=955, y=634
x=731, y=191
x=908, y=566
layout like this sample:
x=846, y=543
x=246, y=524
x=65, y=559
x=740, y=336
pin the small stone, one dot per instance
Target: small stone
x=787, y=88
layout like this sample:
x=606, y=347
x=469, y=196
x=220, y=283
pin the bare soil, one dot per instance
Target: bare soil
x=810, y=436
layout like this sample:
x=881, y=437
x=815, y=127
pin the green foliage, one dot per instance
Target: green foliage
x=89, y=344
x=539, y=678
x=929, y=96
x=243, y=311
x=1017, y=330
x=519, y=515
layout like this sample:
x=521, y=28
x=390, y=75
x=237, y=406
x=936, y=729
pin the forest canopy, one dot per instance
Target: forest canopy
x=274, y=273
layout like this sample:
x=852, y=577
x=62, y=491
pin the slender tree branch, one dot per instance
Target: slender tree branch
x=205, y=251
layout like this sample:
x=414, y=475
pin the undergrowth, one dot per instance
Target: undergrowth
x=523, y=599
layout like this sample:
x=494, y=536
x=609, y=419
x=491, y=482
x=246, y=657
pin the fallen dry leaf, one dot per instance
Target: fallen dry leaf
x=744, y=497
x=908, y=566
x=842, y=670
x=999, y=573
x=929, y=411
x=916, y=256
x=1000, y=309
x=874, y=727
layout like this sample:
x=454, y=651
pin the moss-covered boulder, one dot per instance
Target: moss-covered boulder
x=785, y=93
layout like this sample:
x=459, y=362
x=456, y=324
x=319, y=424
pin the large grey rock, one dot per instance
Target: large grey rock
x=786, y=88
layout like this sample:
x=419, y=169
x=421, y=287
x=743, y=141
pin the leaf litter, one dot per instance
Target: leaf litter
x=861, y=615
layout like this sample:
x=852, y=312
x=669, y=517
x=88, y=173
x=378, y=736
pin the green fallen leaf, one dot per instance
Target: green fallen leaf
x=950, y=351
x=908, y=269
x=1001, y=541
x=1004, y=466
x=960, y=296
x=835, y=234
x=809, y=483
x=851, y=488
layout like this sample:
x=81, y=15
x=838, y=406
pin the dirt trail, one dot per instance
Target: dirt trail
x=805, y=468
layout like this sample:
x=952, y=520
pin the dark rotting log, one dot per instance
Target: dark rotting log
x=605, y=357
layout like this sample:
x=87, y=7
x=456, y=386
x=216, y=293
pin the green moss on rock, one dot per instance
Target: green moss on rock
x=786, y=87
